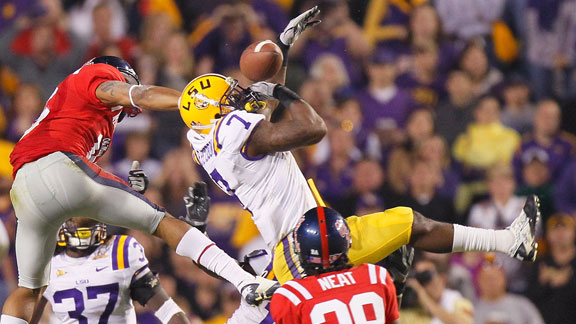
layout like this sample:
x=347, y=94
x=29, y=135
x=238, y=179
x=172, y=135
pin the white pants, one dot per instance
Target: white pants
x=59, y=186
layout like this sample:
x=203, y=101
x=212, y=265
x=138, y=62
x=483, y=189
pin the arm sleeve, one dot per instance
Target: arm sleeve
x=233, y=132
x=283, y=311
x=89, y=77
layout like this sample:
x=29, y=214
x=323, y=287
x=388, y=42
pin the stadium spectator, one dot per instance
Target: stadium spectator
x=82, y=20
x=536, y=180
x=552, y=280
x=517, y=110
x=474, y=61
x=419, y=128
x=385, y=106
x=550, y=37
x=469, y=19
x=337, y=34
x=434, y=151
x=422, y=195
x=443, y=305
x=334, y=176
x=137, y=145
x=221, y=39
x=423, y=79
x=366, y=193
x=39, y=51
x=456, y=111
x=547, y=140
x=26, y=107
x=565, y=193
x=486, y=142
x=102, y=34
x=330, y=70
x=495, y=305
x=386, y=22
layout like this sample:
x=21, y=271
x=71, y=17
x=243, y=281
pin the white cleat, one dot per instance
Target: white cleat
x=524, y=229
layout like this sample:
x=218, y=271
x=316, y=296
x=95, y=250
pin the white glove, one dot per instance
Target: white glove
x=297, y=25
x=265, y=88
x=137, y=178
x=257, y=290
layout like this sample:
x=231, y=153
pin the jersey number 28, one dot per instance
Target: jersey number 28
x=355, y=309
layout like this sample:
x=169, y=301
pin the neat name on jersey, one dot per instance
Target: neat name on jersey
x=206, y=153
x=336, y=281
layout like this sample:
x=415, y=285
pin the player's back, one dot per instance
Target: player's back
x=358, y=295
x=73, y=120
x=96, y=289
x=271, y=187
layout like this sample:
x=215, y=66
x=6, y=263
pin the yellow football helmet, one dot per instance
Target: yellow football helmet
x=211, y=96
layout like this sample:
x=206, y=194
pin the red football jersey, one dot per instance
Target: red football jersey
x=74, y=120
x=363, y=294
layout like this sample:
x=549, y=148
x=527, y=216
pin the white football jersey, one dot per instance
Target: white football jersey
x=96, y=289
x=271, y=187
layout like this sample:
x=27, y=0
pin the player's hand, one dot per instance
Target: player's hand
x=197, y=206
x=297, y=25
x=398, y=265
x=257, y=290
x=264, y=88
x=137, y=178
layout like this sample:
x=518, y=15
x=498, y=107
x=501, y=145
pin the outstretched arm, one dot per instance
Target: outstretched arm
x=289, y=36
x=118, y=93
x=303, y=126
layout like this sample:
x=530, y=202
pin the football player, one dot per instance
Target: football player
x=95, y=277
x=245, y=149
x=56, y=178
x=332, y=291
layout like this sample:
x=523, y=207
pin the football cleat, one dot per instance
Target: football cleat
x=524, y=228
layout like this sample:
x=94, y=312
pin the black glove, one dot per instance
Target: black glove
x=137, y=178
x=197, y=206
x=398, y=265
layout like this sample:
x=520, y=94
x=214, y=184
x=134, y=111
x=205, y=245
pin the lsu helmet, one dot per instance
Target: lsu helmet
x=321, y=240
x=74, y=235
x=211, y=96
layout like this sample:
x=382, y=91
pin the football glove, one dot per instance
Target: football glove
x=257, y=290
x=137, y=178
x=298, y=25
x=398, y=265
x=264, y=88
x=197, y=206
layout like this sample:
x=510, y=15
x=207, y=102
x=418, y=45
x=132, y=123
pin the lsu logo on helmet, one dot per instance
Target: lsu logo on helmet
x=211, y=96
x=204, y=100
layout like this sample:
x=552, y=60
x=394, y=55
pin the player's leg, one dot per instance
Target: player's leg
x=114, y=202
x=517, y=240
x=375, y=236
x=39, y=217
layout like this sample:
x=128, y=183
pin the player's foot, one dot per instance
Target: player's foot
x=524, y=229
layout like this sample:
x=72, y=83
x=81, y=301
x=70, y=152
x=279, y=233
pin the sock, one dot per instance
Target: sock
x=478, y=239
x=202, y=250
x=7, y=319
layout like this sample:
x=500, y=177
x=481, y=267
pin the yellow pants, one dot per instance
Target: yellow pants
x=374, y=237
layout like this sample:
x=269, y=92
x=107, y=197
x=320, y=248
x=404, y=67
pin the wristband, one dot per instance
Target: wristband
x=130, y=96
x=284, y=48
x=167, y=311
x=285, y=95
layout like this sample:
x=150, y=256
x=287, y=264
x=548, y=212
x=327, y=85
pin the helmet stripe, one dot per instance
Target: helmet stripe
x=323, y=237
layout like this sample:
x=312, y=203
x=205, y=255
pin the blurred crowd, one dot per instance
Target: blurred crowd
x=456, y=108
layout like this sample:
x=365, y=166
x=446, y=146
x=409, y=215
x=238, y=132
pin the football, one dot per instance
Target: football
x=261, y=60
